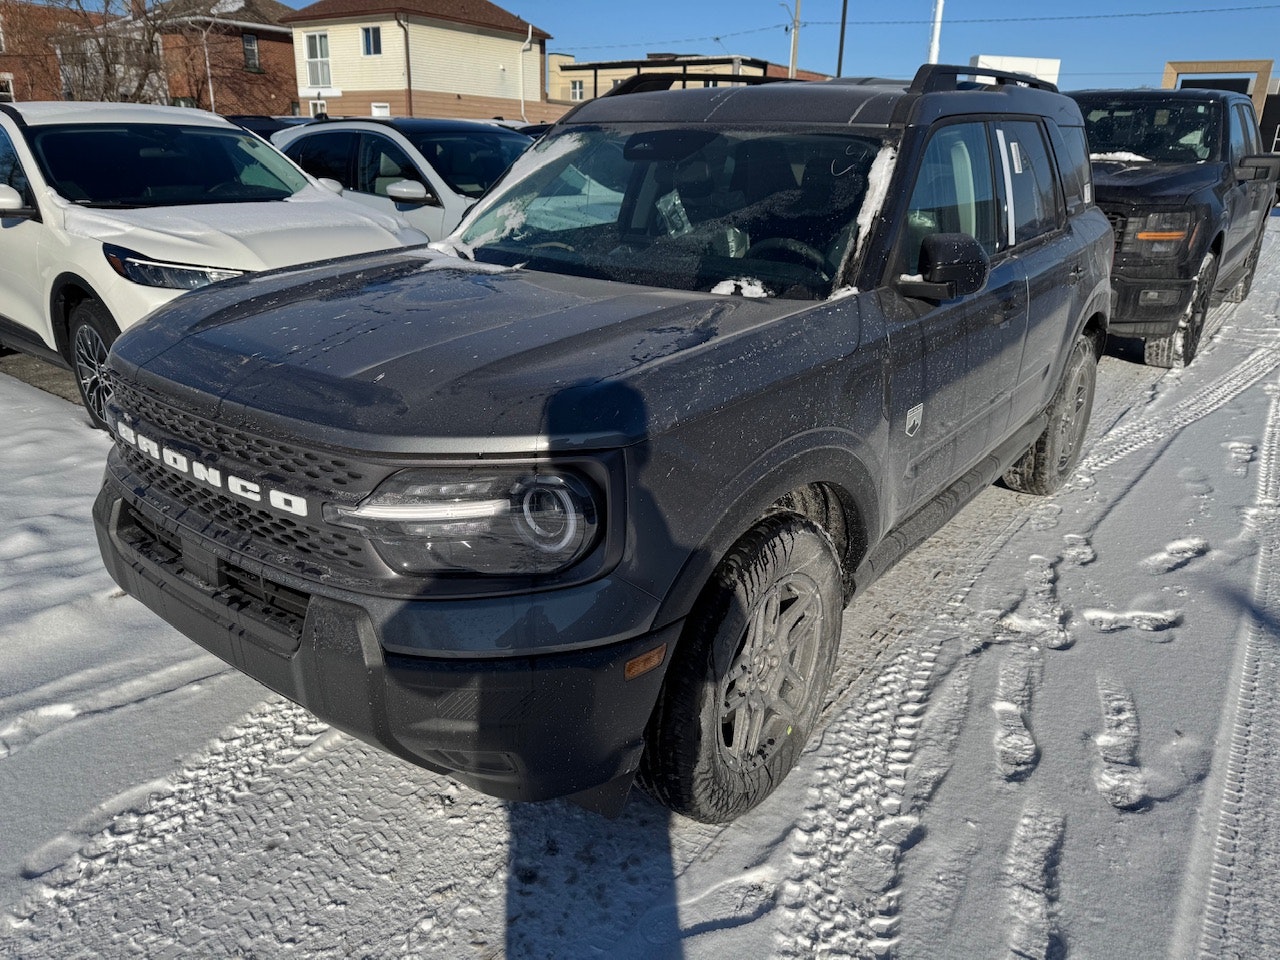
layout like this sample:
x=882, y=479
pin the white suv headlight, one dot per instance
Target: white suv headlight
x=156, y=273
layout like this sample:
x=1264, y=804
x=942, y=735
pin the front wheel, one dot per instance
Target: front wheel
x=749, y=674
x=1180, y=347
x=1049, y=461
x=91, y=332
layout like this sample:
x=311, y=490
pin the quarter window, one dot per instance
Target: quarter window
x=372, y=40
x=318, y=60
x=1029, y=191
x=250, y=42
x=953, y=191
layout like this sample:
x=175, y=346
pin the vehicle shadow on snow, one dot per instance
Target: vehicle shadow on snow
x=580, y=884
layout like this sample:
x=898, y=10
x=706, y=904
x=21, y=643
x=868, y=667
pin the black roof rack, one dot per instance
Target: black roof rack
x=647, y=82
x=932, y=77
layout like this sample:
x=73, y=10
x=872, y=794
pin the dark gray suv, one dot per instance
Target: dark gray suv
x=582, y=495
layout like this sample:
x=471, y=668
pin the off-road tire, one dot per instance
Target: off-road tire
x=1049, y=461
x=90, y=333
x=1180, y=347
x=749, y=674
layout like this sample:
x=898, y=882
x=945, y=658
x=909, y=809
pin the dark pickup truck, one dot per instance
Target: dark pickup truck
x=581, y=495
x=1182, y=177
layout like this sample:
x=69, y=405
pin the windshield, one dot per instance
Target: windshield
x=157, y=165
x=1161, y=131
x=470, y=162
x=693, y=208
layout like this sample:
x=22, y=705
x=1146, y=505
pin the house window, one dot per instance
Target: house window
x=6, y=90
x=577, y=89
x=379, y=109
x=318, y=108
x=372, y=37
x=711, y=83
x=1, y=36
x=250, y=42
x=318, y=60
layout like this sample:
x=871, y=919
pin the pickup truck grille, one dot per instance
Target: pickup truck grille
x=303, y=545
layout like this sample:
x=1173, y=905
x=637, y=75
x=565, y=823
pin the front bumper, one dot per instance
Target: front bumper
x=516, y=726
x=1148, y=306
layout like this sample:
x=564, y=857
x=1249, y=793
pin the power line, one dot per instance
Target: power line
x=951, y=21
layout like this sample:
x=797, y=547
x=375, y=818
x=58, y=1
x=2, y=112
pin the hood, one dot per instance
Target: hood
x=311, y=225
x=1133, y=181
x=423, y=352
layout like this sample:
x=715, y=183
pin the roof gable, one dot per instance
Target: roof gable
x=473, y=13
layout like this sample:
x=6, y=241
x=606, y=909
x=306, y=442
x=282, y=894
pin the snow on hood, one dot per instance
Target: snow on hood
x=311, y=225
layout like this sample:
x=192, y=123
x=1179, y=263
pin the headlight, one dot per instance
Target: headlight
x=505, y=521
x=1159, y=234
x=156, y=273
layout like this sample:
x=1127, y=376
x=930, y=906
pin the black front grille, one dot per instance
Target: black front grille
x=303, y=545
x=272, y=456
x=273, y=606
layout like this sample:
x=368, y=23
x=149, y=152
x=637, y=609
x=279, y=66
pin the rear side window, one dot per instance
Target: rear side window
x=324, y=155
x=1072, y=151
x=1030, y=191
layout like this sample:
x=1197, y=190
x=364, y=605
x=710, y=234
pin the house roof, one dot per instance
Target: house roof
x=473, y=13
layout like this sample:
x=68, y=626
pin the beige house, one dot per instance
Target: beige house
x=422, y=58
x=574, y=82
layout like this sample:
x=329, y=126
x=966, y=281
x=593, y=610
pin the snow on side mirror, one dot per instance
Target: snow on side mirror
x=330, y=184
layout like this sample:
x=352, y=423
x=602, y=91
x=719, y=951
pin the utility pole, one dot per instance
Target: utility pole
x=937, y=31
x=795, y=36
x=844, y=19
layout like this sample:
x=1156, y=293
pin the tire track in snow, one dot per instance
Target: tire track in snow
x=860, y=808
x=1235, y=916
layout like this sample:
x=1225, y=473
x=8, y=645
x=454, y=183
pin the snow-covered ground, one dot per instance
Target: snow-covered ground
x=1053, y=733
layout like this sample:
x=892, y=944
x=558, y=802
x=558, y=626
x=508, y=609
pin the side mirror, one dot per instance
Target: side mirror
x=12, y=205
x=1259, y=166
x=951, y=265
x=409, y=191
x=330, y=184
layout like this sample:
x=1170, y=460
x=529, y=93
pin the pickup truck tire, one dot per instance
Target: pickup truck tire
x=1050, y=460
x=749, y=674
x=1180, y=347
x=90, y=333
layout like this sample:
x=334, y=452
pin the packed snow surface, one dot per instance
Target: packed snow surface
x=1052, y=733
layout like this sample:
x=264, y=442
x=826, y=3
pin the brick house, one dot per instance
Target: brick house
x=235, y=58
x=29, y=33
x=425, y=58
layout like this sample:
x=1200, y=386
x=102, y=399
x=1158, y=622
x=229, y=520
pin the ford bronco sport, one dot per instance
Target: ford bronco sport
x=1181, y=175
x=583, y=496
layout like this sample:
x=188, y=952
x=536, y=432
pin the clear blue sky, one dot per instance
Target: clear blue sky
x=1096, y=47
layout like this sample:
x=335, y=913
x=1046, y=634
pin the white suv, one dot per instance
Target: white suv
x=428, y=171
x=109, y=210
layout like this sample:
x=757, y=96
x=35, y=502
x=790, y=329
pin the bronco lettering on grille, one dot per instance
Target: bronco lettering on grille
x=210, y=476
